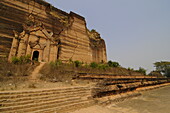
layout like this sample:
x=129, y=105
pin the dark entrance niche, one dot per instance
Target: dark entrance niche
x=35, y=55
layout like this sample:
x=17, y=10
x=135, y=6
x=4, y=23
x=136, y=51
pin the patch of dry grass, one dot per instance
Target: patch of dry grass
x=65, y=72
x=53, y=73
x=9, y=70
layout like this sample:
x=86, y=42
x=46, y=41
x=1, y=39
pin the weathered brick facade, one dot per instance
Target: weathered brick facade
x=34, y=27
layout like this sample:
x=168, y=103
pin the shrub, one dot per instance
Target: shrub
x=25, y=59
x=52, y=64
x=70, y=61
x=130, y=69
x=103, y=66
x=93, y=65
x=58, y=62
x=21, y=60
x=113, y=64
x=77, y=63
x=167, y=72
x=86, y=65
x=15, y=60
x=141, y=70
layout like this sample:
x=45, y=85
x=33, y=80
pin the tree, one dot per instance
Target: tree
x=164, y=67
x=141, y=70
x=167, y=72
x=77, y=63
x=113, y=64
x=93, y=65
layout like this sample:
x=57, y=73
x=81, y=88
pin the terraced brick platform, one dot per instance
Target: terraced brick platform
x=108, y=88
x=59, y=100
x=115, y=88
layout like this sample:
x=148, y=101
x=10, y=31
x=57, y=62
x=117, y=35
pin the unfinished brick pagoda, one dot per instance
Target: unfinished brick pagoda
x=35, y=28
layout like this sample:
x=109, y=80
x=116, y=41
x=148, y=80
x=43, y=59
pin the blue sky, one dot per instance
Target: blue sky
x=137, y=32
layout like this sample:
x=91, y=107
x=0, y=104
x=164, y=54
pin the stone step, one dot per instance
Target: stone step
x=41, y=99
x=124, y=86
x=42, y=91
x=9, y=95
x=117, y=98
x=28, y=97
x=36, y=104
x=120, y=82
x=43, y=105
x=108, y=76
x=68, y=108
x=117, y=87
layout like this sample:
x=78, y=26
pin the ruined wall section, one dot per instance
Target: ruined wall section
x=98, y=47
x=69, y=30
x=98, y=50
x=75, y=41
x=15, y=12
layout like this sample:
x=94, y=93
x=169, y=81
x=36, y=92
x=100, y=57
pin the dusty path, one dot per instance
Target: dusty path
x=35, y=74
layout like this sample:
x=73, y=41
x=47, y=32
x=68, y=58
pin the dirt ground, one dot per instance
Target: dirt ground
x=20, y=84
x=151, y=101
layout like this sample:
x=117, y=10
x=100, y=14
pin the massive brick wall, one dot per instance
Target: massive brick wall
x=13, y=13
x=70, y=29
x=75, y=41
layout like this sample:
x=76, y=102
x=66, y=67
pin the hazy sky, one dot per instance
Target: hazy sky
x=136, y=32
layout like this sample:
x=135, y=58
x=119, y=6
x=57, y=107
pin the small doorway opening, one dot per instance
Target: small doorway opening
x=35, y=55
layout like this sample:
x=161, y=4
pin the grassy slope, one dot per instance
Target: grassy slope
x=65, y=72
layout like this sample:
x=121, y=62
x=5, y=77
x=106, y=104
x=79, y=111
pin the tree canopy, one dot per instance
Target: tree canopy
x=113, y=64
x=142, y=70
x=164, y=67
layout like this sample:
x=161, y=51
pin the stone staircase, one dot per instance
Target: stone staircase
x=60, y=100
x=35, y=74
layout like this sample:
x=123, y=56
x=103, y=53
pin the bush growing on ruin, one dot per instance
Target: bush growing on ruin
x=25, y=59
x=103, y=66
x=21, y=60
x=15, y=60
x=141, y=70
x=8, y=69
x=99, y=66
x=130, y=69
x=56, y=63
x=70, y=61
x=93, y=65
x=113, y=64
x=77, y=63
x=66, y=71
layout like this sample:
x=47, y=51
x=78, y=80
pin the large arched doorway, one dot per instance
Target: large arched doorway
x=35, y=55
